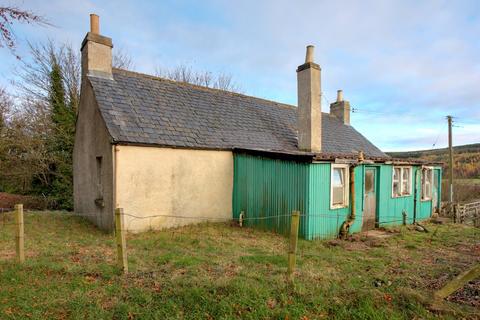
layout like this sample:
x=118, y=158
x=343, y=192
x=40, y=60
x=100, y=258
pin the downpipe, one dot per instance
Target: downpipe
x=415, y=196
x=344, y=229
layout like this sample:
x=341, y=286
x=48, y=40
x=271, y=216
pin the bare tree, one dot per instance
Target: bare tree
x=34, y=76
x=5, y=108
x=26, y=141
x=10, y=15
x=121, y=59
x=185, y=73
x=23, y=153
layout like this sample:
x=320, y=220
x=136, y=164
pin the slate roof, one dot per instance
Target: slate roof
x=142, y=109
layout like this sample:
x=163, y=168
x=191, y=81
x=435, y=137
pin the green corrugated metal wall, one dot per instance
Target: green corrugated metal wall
x=389, y=209
x=268, y=190
x=324, y=222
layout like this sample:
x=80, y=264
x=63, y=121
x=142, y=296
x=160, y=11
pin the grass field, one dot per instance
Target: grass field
x=218, y=271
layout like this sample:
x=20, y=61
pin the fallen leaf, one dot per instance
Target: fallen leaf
x=271, y=303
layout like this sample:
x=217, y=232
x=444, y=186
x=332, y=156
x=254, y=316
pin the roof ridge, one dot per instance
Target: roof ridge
x=187, y=84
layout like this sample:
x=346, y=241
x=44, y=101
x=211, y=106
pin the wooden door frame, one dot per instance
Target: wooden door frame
x=377, y=195
x=439, y=187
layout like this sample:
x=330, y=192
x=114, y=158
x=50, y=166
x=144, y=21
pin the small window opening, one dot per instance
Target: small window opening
x=339, y=186
x=402, y=181
x=427, y=182
x=369, y=181
x=99, y=176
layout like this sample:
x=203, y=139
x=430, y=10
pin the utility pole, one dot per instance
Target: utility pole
x=450, y=150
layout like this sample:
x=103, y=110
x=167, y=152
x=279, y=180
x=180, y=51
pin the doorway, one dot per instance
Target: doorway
x=370, y=203
x=435, y=193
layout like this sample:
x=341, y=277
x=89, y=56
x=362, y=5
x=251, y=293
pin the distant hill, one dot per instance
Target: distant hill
x=466, y=170
x=470, y=148
x=466, y=159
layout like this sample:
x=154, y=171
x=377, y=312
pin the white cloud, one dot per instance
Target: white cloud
x=411, y=62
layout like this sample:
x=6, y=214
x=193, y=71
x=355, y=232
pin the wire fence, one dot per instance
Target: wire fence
x=324, y=226
x=14, y=217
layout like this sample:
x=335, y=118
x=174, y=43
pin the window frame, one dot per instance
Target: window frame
x=401, y=181
x=424, y=170
x=346, y=193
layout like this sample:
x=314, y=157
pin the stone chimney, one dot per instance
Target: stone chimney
x=96, y=52
x=309, y=113
x=341, y=108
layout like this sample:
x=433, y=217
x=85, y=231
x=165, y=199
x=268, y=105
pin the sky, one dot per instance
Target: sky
x=403, y=65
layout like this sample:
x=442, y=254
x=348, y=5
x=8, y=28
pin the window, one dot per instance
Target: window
x=427, y=183
x=339, y=186
x=99, y=176
x=369, y=181
x=401, y=181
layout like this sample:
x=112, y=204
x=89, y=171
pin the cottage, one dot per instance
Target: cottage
x=179, y=153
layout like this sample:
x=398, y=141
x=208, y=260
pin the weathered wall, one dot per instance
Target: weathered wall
x=390, y=209
x=324, y=222
x=173, y=182
x=268, y=190
x=92, y=140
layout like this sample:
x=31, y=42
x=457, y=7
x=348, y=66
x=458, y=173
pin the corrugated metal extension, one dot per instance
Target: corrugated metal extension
x=268, y=190
x=324, y=222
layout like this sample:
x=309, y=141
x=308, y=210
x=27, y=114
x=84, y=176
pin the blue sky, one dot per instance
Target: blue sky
x=404, y=65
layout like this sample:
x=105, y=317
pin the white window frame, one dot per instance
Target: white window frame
x=401, y=181
x=430, y=196
x=346, y=195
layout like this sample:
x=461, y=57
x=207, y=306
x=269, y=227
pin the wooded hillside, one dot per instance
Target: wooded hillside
x=466, y=170
x=466, y=159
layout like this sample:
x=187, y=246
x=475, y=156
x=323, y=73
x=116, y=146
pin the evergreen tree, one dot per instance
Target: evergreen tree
x=62, y=139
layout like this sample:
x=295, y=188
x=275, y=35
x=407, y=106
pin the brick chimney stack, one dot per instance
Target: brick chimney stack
x=96, y=52
x=341, y=108
x=309, y=113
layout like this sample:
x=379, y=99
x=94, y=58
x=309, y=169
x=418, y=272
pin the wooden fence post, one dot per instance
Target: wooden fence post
x=19, y=233
x=292, y=250
x=476, y=218
x=121, y=240
x=458, y=282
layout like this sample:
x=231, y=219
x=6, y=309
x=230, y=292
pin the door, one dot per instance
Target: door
x=370, y=203
x=436, y=177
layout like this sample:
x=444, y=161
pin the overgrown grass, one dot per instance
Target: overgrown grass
x=217, y=271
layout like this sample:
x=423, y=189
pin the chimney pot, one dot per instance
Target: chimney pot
x=94, y=24
x=339, y=95
x=309, y=55
x=341, y=108
x=96, y=52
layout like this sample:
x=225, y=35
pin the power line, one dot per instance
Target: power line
x=325, y=98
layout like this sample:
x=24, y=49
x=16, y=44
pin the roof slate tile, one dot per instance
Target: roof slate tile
x=143, y=109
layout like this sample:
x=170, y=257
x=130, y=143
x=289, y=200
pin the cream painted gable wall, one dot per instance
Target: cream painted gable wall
x=173, y=182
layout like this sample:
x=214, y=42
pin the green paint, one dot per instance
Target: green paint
x=270, y=189
x=324, y=222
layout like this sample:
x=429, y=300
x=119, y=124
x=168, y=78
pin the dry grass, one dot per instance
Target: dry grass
x=218, y=271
